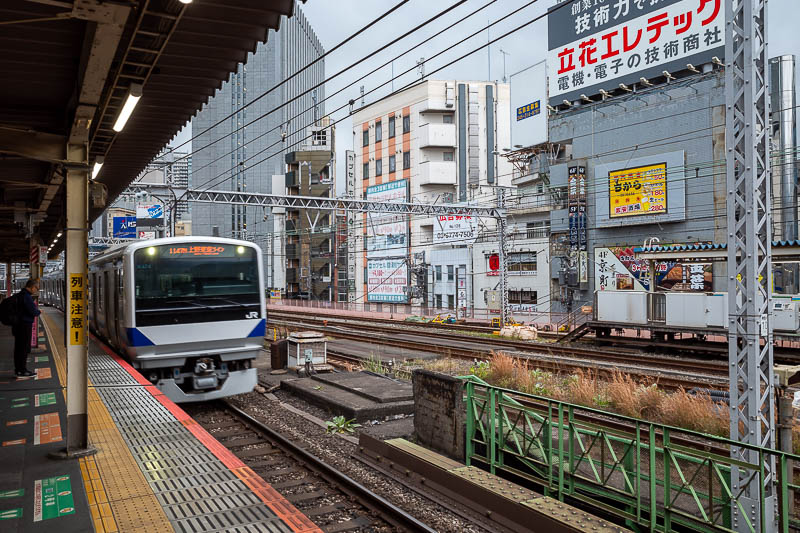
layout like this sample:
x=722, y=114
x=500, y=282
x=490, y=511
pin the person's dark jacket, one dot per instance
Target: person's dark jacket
x=27, y=311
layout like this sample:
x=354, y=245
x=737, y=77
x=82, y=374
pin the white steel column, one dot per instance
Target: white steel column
x=75, y=274
x=501, y=234
x=752, y=399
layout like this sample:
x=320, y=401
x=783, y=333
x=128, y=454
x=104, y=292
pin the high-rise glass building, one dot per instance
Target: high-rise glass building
x=238, y=156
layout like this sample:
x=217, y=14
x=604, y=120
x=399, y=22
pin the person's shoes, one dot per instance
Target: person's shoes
x=24, y=374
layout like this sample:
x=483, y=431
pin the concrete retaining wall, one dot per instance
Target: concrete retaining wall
x=439, y=412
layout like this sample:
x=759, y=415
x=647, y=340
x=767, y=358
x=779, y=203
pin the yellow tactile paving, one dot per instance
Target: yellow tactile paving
x=120, y=499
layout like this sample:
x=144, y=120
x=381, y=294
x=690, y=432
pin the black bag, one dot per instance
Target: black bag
x=9, y=314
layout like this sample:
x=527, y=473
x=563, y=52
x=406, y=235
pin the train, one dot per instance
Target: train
x=189, y=313
x=668, y=313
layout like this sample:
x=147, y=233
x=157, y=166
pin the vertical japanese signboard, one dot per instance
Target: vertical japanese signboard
x=637, y=191
x=598, y=44
x=77, y=309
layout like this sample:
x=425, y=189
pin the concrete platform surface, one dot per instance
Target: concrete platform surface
x=337, y=395
x=368, y=385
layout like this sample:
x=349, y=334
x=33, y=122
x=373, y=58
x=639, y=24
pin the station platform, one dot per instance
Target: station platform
x=155, y=468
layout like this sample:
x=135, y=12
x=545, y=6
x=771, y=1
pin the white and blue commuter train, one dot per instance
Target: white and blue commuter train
x=188, y=312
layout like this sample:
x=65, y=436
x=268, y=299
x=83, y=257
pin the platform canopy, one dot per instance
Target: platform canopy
x=782, y=251
x=68, y=67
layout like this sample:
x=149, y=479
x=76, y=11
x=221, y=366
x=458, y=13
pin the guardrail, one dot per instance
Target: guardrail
x=638, y=474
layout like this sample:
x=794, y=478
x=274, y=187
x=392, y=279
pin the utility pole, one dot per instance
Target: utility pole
x=504, y=64
x=752, y=392
x=501, y=234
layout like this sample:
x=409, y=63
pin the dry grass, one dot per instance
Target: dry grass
x=695, y=411
x=503, y=370
x=584, y=389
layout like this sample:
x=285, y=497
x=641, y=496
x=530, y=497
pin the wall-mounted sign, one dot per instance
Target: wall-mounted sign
x=599, y=44
x=528, y=96
x=455, y=228
x=387, y=280
x=387, y=233
x=124, y=227
x=638, y=191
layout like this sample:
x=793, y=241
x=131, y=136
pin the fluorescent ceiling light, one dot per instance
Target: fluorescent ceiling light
x=185, y=1
x=134, y=94
x=98, y=164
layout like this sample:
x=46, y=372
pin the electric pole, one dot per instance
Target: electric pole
x=752, y=394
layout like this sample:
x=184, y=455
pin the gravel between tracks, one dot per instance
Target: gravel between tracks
x=337, y=452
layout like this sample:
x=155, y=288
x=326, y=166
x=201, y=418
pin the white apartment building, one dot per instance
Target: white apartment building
x=437, y=141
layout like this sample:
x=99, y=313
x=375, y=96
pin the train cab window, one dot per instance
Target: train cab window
x=196, y=282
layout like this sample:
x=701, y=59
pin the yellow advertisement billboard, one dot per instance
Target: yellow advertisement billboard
x=638, y=191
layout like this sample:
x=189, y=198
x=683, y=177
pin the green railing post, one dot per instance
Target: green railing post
x=561, y=451
x=502, y=440
x=571, y=453
x=667, y=480
x=492, y=429
x=653, y=476
x=547, y=433
x=784, y=493
x=470, y=445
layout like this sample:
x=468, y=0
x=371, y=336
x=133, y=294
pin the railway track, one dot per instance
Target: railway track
x=671, y=372
x=333, y=501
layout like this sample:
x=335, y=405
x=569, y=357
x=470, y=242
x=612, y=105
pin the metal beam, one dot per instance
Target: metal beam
x=32, y=144
x=315, y=202
x=752, y=394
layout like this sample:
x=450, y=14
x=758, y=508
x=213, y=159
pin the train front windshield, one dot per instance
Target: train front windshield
x=196, y=282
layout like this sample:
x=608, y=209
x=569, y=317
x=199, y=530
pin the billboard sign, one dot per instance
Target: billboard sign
x=149, y=215
x=617, y=268
x=387, y=233
x=599, y=44
x=637, y=191
x=529, y=106
x=147, y=235
x=124, y=228
x=387, y=280
x=462, y=229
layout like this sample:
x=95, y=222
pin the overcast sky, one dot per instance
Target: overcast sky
x=334, y=20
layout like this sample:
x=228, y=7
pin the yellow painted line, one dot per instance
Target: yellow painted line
x=120, y=498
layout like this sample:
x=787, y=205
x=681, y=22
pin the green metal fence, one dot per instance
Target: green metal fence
x=655, y=477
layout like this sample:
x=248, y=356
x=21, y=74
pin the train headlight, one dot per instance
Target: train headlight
x=240, y=249
x=151, y=250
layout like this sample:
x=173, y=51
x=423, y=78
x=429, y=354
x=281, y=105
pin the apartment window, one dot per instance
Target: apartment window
x=391, y=126
x=522, y=262
x=537, y=230
x=438, y=272
x=366, y=171
x=406, y=160
x=451, y=301
x=438, y=301
x=392, y=163
x=406, y=123
x=450, y=272
x=522, y=297
x=378, y=167
x=447, y=156
x=378, y=131
x=365, y=135
x=447, y=119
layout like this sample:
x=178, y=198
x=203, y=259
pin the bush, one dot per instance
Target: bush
x=695, y=411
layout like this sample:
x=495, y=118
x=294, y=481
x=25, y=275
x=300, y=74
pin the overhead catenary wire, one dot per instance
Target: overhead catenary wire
x=427, y=75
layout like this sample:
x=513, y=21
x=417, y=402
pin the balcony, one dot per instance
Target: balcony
x=437, y=173
x=292, y=250
x=291, y=275
x=437, y=135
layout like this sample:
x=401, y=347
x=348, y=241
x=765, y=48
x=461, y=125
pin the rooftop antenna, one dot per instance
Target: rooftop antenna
x=421, y=67
x=362, y=96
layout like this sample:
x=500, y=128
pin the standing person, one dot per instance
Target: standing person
x=23, y=330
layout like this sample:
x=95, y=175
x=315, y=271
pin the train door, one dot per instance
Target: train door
x=110, y=285
x=117, y=318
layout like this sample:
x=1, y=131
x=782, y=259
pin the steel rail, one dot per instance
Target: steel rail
x=388, y=511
